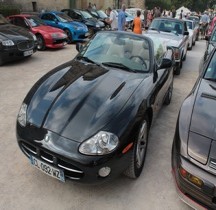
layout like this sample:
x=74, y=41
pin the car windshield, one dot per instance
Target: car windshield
x=166, y=25
x=189, y=24
x=118, y=50
x=35, y=21
x=3, y=20
x=102, y=14
x=63, y=17
x=210, y=73
x=86, y=15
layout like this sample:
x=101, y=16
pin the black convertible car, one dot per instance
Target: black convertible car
x=15, y=42
x=194, y=145
x=88, y=119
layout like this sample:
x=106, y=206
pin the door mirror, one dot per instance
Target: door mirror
x=166, y=63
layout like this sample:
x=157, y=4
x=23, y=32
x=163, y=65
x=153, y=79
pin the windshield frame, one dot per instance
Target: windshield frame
x=64, y=18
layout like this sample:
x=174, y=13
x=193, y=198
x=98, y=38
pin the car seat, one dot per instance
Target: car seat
x=178, y=29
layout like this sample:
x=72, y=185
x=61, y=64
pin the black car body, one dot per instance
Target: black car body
x=90, y=117
x=194, y=144
x=100, y=15
x=15, y=42
x=177, y=36
x=85, y=17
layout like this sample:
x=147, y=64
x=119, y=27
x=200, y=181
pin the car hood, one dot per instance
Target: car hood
x=204, y=115
x=93, y=22
x=171, y=39
x=77, y=24
x=47, y=29
x=79, y=100
x=14, y=33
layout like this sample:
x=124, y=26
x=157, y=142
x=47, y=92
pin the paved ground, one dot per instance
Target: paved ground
x=22, y=187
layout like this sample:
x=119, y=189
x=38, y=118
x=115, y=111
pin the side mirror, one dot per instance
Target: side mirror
x=186, y=33
x=79, y=47
x=166, y=63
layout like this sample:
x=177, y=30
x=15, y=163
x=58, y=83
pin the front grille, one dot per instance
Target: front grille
x=59, y=41
x=70, y=171
x=25, y=45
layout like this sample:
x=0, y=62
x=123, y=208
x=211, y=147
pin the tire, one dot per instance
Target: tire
x=177, y=70
x=139, y=150
x=41, y=43
x=168, y=97
x=69, y=35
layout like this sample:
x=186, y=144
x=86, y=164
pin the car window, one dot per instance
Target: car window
x=124, y=50
x=18, y=21
x=86, y=14
x=63, y=17
x=48, y=17
x=189, y=24
x=76, y=15
x=34, y=21
x=211, y=70
x=213, y=36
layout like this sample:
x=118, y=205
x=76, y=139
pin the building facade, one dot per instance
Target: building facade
x=43, y=5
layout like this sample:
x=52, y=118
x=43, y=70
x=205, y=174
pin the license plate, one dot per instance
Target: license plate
x=47, y=169
x=29, y=52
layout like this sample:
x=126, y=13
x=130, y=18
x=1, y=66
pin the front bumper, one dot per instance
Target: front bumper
x=56, y=43
x=14, y=53
x=63, y=153
x=198, y=198
x=80, y=35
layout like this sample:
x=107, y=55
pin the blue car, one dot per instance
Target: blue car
x=75, y=31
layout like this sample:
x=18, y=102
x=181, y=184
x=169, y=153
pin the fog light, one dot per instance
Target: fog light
x=105, y=171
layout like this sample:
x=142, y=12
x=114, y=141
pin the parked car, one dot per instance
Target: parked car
x=100, y=15
x=47, y=36
x=15, y=42
x=133, y=12
x=75, y=31
x=192, y=33
x=194, y=144
x=175, y=33
x=197, y=25
x=88, y=120
x=85, y=17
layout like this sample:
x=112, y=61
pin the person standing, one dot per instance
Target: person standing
x=122, y=19
x=137, y=23
x=112, y=21
x=181, y=14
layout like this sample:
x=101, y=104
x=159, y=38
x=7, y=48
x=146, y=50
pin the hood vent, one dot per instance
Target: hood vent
x=206, y=95
x=78, y=69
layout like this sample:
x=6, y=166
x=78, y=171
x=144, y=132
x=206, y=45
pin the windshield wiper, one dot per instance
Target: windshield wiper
x=211, y=79
x=118, y=65
x=87, y=60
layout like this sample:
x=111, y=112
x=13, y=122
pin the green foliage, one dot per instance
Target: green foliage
x=8, y=9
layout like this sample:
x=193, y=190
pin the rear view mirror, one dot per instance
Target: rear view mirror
x=166, y=63
x=79, y=47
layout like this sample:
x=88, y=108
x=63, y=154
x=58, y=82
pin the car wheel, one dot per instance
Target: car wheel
x=168, y=97
x=139, y=150
x=41, y=43
x=69, y=35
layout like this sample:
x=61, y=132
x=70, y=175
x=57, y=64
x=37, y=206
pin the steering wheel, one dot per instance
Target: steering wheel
x=139, y=59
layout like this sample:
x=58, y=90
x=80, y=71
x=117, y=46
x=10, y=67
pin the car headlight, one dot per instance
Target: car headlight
x=21, y=118
x=34, y=37
x=54, y=35
x=8, y=43
x=100, y=144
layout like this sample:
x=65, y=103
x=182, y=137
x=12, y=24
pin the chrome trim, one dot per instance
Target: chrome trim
x=50, y=161
x=24, y=150
x=74, y=178
x=69, y=169
x=29, y=149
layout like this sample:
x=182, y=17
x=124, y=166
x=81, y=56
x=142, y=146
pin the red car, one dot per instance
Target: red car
x=210, y=28
x=47, y=36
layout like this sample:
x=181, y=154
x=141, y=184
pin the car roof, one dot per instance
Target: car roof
x=22, y=15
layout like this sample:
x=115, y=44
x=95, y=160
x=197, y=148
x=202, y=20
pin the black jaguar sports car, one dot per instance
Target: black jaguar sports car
x=15, y=42
x=89, y=119
x=194, y=144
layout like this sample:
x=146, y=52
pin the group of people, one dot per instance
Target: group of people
x=120, y=23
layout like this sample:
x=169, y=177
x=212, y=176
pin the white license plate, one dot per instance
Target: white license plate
x=47, y=169
x=29, y=52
